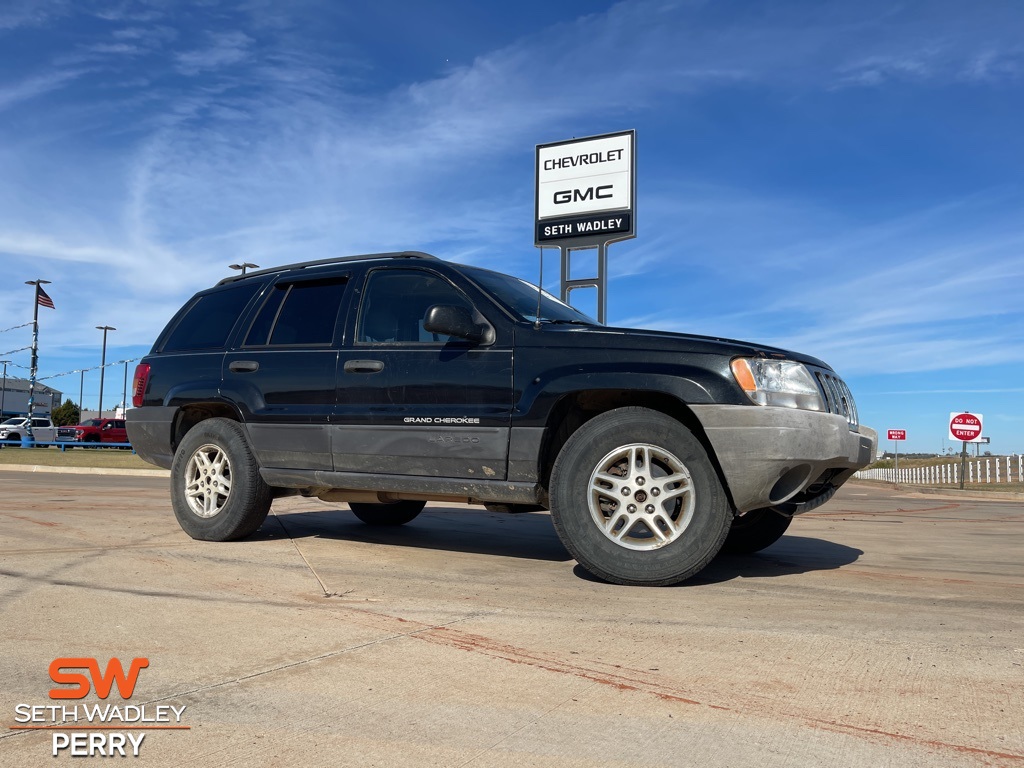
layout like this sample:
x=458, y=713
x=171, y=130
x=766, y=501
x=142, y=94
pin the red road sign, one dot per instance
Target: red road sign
x=897, y=434
x=965, y=426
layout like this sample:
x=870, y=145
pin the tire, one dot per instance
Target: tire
x=91, y=439
x=657, y=533
x=396, y=513
x=215, y=453
x=754, y=531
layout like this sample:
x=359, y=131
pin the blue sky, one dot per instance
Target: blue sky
x=838, y=178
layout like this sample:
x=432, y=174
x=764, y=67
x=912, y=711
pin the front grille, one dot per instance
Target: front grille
x=838, y=398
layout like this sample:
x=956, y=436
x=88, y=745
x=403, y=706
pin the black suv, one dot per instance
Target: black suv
x=390, y=380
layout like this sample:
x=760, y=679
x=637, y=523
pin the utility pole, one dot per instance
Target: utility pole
x=3, y=391
x=124, y=393
x=103, y=364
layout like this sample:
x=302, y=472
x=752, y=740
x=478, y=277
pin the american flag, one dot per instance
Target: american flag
x=43, y=299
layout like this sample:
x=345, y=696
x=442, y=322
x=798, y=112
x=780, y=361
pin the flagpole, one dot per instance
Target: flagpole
x=29, y=438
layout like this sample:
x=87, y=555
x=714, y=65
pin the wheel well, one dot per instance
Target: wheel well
x=574, y=410
x=190, y=415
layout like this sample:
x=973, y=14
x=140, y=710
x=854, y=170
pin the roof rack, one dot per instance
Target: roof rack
x=324, y=262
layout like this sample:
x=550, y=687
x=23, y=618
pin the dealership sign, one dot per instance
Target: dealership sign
x=965, y=426
x=586, y=190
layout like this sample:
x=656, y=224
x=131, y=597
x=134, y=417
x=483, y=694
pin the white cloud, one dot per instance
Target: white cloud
x=225, y=49
x=36, y=86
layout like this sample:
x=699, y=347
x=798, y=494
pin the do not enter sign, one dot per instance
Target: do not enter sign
x=965, y=426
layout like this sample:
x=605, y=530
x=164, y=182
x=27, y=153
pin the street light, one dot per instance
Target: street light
x=3, y=391
x=103, y=363
x=243, y=266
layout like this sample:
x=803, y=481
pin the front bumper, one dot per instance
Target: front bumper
x=771, y=456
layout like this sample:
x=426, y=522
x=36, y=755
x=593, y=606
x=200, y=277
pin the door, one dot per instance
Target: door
x=282, y=373
x=411, y=402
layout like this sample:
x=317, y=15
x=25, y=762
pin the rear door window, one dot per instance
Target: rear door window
x=298, y=314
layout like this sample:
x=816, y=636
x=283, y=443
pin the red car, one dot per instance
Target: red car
x=101, y=431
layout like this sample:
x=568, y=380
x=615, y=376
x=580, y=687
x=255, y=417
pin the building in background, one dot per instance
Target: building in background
x=14, y=398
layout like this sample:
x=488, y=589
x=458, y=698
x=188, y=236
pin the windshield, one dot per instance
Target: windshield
x=12, y=422
x=521, y=297
x=91, y=423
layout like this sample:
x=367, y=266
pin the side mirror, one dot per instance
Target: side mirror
x=449, y=320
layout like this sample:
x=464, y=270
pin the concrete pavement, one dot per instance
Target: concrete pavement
x=885, y=630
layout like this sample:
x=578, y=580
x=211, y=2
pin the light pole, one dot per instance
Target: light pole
x=81, y=393
x=40, y=294
x=103, y=363
x=3, y=391
x=124, y=393
x=243, y=266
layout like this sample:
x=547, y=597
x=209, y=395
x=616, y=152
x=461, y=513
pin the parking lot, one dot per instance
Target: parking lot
x=884, y=630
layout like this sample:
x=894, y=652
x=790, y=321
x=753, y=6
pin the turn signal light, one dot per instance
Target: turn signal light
x=744, y=376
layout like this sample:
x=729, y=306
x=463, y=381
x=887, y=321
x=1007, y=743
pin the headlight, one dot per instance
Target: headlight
x=778, y=382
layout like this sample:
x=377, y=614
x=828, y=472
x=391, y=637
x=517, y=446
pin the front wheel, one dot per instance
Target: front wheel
x=754, y=531
x=636, y=500
x=396, y=513
x=216, y=489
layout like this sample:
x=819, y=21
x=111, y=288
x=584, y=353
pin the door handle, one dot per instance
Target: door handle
x=363, y=366
x=243, y=366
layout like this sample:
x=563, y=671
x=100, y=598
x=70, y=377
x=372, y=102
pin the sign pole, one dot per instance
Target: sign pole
x=585, y=198
x=896, y=435
x=966, y=427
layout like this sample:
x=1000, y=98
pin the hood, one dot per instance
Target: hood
x=665, y=341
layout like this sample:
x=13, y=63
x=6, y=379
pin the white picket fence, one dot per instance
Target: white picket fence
x=1002, y=469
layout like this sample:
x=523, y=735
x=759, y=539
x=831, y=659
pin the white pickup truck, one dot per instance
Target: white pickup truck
x=42, y=429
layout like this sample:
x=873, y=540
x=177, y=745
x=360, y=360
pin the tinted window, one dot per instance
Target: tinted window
x=302, y=313
x=309, y=313
x=259, y=332
x=522, y=298
x=396, y=302
x=209, y=320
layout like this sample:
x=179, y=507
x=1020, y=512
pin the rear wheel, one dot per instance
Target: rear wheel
x=754, y=531
x=216, y=489
x=396, y=513
x=636, y=500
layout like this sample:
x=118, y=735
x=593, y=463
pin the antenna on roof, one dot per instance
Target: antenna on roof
x=540, y=287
